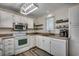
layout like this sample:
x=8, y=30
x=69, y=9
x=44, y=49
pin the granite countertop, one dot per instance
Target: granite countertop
x=51, y=35
x=5, y=36
x=2, y=35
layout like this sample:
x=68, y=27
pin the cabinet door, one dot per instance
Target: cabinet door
x=40, y=41
x=8, y=46
x=17, y=18
x=36, y=40
x=32, y=41
x=6, y=19
x=43, y=43
x=74, y=16
x=58, y=47
x=46, y=44
x=30, y=22
x=24, y=19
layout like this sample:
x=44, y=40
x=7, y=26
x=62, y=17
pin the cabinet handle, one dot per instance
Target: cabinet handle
x=43, y=40
x=9, y=43
x=9, y=40
x=50, y=42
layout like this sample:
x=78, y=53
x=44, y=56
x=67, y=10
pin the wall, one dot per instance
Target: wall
x=40, y=20
x=61, y=14
x=58, y=14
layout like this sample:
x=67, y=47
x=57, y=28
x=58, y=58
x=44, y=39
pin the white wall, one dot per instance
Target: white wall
x=59, y=14
x=40, y=20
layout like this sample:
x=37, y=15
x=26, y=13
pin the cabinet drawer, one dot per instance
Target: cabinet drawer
x=9, y=40
x=9, y=43
x=9, y=46
x=9, y=49
x=8, y=53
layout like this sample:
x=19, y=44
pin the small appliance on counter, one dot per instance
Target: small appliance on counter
x=64, y=32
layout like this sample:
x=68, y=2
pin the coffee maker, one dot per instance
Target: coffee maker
x=63, y=32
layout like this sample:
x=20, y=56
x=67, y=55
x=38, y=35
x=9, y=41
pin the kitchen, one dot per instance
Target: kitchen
x=39, y=29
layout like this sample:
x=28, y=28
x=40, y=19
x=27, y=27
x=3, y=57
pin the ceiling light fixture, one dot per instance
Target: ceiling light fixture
x=49, y=15
x=28, y=9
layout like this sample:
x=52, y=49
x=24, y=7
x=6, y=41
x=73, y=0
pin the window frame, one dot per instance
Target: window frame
x=47, y=18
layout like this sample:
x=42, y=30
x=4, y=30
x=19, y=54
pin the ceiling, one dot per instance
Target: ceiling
x=44, y=8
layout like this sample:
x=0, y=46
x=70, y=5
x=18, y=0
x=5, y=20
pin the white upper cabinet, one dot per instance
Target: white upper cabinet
x=23, y=19
x=17, y=18
x=6, y=19
x=30, y=22
x=74, y=16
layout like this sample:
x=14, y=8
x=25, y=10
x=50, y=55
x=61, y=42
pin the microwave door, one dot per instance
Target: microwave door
x=18, y=27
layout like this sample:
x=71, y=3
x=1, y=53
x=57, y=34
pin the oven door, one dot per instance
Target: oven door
x=21, y=42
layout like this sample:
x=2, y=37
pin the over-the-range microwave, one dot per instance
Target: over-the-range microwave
x=19, y=26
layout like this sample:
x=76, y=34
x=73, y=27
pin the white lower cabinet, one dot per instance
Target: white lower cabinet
x=46, y=44
x=40, y=42
x=43, y=43
x=8, y=46
x=31, y=41
x=36, y=41
x=59, y=47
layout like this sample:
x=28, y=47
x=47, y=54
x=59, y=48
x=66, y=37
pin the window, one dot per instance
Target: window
x=50, y=23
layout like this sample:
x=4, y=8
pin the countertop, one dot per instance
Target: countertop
x=5, y=36
x=51, y=35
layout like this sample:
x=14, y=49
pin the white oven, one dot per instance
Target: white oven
x=21, y=42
